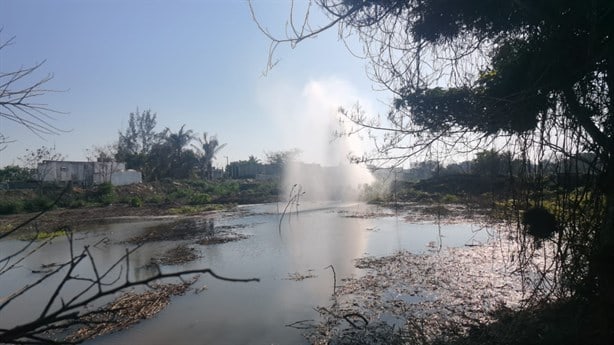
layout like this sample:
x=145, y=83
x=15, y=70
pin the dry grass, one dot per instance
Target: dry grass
x=126, y=310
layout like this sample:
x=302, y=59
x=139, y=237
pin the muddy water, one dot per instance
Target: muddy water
x=250, y=313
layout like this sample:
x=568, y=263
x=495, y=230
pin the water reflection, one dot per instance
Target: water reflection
x=312, y=239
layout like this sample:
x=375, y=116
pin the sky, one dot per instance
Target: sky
x=198, y=63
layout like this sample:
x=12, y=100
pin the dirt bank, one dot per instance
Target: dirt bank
x=88, y=216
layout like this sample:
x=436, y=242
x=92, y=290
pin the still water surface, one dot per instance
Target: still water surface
x=249, y=313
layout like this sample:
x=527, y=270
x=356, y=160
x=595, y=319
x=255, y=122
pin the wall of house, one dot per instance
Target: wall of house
x=104, y=171
x=122, y=178
x=58, y=171
x=88, y=173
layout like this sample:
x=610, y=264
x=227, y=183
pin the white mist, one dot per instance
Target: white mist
x=309, y=120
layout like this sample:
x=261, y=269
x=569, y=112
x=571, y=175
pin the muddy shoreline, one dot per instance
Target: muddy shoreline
x=134, y=305
x=80, y=218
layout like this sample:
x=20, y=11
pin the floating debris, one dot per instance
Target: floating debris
x=296, y=276
x=428, y=296
x=127, y=310
x=367, y=214
x=201, y=230
x=222, y=237
x=178, y=255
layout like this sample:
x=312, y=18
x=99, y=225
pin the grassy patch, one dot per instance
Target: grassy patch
x=195, y=209
x=44, y=235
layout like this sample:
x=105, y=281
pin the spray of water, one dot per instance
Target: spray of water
x=322, y=170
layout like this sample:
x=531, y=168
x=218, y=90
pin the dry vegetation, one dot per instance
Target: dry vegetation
x=421, y=298
x=128, y=309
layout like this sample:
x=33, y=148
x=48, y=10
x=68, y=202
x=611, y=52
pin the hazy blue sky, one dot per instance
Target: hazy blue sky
x=197, y=63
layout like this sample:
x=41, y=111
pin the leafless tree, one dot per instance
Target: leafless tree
x=4, y=141
x=34, y=159
x=19, y=91
x=104, y=161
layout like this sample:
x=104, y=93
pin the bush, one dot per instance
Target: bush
x=10, y=207
x=105, y=193
x=136, y=202
x=37, y=204
x=155, y=199
x=200, y=198
x=105, y=189
x=179, y=194
x=450, y=199
x=107, y=199
x=77, y=204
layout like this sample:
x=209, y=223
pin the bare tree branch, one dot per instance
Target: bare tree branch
x=17, y=95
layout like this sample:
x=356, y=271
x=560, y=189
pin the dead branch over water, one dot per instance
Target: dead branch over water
x=64, y=310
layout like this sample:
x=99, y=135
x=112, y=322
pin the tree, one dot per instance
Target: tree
x=105, y=164
x=105, y=153
x=17, y=94
x=491, y=163
x=210, y=147
x=253, y=159
x=177, y=141
x=4, y=141
x=250, y=168
x=169, y=158
x=138, y=139
x=278, y=160
x=463, y=72
x=14, y=173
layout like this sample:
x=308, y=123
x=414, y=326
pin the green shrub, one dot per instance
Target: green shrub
x=105, y=189
x=200, y=198
x=10, y=207
x=77, y=203
x=450, y=199
x=107, y=199
x=155, y=199
x=179, y=194
x=136, y=202
x=105, y=193
x=37, y=204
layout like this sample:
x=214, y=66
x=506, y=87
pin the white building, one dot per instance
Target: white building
x=87, y=173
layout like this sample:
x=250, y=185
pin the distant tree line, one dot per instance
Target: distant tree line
x=492, y=163
x=165, y=154
x=253, y=167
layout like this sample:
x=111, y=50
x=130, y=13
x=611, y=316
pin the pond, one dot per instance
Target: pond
x=290, y=257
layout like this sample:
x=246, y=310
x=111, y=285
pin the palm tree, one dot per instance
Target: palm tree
x=171, y=159
x=253, y=160
x=211, y=146
x=177, y=141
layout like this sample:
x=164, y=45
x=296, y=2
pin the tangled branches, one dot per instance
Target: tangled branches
x=72, y=292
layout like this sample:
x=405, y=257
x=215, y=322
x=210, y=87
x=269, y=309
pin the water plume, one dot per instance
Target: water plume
x=322, y=170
